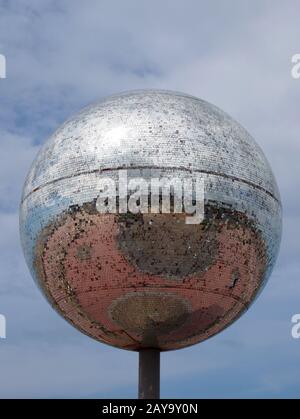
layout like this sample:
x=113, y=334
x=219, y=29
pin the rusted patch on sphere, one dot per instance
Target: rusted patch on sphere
x=150, y=314
x=163, y=244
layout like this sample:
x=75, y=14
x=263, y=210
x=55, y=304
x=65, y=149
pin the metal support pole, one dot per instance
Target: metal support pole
x=149, y=374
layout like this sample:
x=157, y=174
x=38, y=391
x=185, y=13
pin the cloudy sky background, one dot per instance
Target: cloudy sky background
x=62, y=55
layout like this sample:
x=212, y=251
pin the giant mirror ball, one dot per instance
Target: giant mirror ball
x=150, y=280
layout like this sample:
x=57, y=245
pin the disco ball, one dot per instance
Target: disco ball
x=150, y=280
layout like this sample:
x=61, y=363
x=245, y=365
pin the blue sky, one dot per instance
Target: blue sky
x=61, y=56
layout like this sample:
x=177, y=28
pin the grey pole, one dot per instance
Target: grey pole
x=149, y=374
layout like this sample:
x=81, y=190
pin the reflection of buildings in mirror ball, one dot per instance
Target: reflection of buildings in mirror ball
x=150, y=280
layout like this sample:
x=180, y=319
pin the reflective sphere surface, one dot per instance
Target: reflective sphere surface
x=150, y=280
